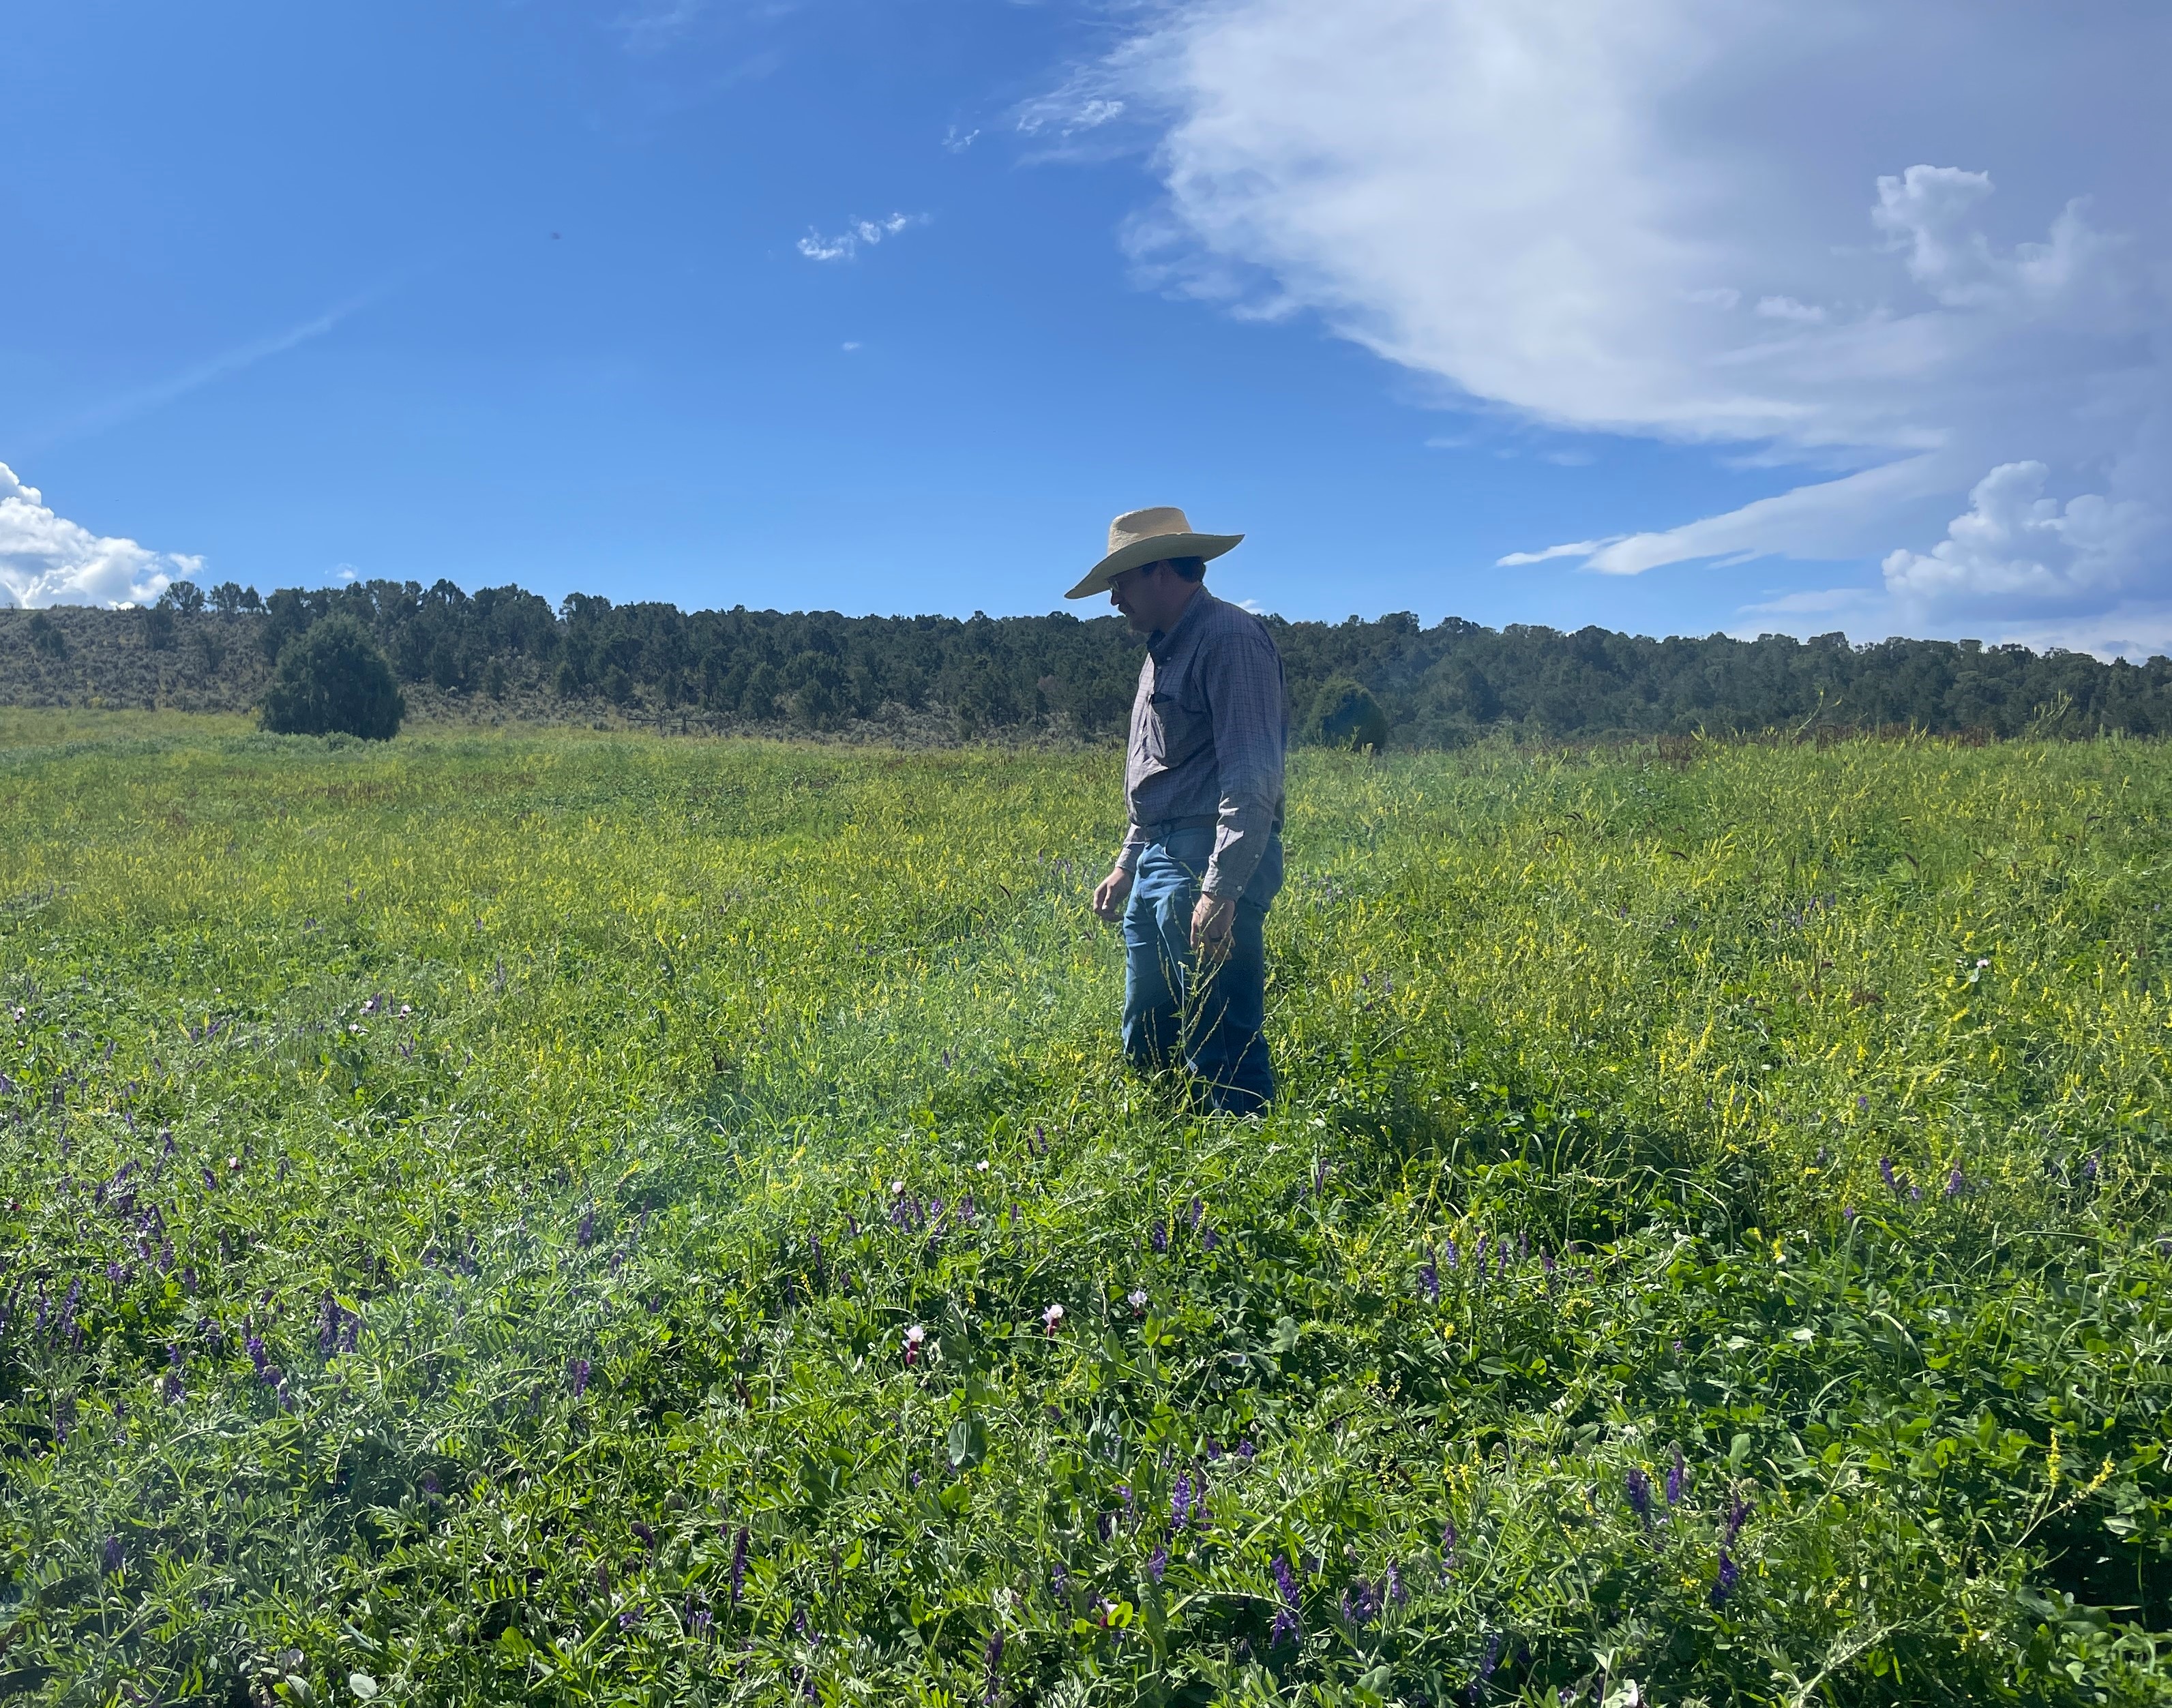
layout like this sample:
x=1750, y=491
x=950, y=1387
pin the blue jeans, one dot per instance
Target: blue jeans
x=1213, y=1022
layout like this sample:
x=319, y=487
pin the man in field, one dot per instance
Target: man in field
x=1204, y=855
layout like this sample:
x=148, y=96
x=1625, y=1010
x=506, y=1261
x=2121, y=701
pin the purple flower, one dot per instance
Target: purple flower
x=1448, y=1247
x=1956, y=1183
x=1886, y=1173
x=1285, y=1628
x=1639, y=1495
x=1429, y=1277
x=1862, y=1102
x=257, y=1356
x=647, y=1536
x=110, y=1556
x=698, y=1624
x=1286, y=1581
x=1722, y=1586
x=1157, y=1563
x=1198, y=1209
x=2090, y=1167
x=1179, y=1502
x=1677, y=1478
x=1849, y=1212
x=1488, y=1659
x=1208, y=1238
x=577, y=1374
x=1447, y=1539
x=1158, y=1238
x=1361, y=1603
x=1397, y=1591
x=1738, y=1515
x=991, y=1660
x=1478, y=1251
x=1546, y=1261
x=587, y=1231
x=738, y=1566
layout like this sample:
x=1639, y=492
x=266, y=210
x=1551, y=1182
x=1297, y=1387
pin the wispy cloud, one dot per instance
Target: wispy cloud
x=1579, y=548
x=1616, y=219
x=957, y=142
x=140, y=401
x=861, y=233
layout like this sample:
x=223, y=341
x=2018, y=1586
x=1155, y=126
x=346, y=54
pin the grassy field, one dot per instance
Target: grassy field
x=584, y=1219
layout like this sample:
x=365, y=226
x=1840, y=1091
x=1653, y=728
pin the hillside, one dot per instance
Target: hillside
x=503, y=654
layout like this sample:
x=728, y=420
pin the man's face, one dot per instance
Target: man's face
x=1151, y=597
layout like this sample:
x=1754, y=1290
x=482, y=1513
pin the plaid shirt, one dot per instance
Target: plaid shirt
x=1208, y=727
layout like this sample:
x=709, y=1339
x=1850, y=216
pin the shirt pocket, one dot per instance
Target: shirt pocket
x=1179, y=727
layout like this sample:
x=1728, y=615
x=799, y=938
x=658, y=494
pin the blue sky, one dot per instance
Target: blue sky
x=576, y=296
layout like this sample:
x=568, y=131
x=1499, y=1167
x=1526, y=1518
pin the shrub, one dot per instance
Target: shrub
x=1345, y=715
x=159, y=627
x=334, y=679
x=45, y=636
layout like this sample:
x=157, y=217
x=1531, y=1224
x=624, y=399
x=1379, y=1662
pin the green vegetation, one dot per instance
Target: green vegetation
x=333, y=681
x=502, y=655
x=584, y=1219
x=1348, y=717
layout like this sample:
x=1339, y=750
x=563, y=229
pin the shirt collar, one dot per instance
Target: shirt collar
x=1158, y=643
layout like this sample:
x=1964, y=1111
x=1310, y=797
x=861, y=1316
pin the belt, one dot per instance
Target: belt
x=1167, y=828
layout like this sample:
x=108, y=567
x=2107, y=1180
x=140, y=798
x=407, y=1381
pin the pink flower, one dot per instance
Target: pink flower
x=914, y=1337
x=1050, y=1318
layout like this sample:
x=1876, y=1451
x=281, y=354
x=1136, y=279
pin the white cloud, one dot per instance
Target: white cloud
x=1788, y=309
x=1578, y=548
x=957, y=142
x=2016, y=549
x=861, y=233
x=1945, y=218
x=47, y=560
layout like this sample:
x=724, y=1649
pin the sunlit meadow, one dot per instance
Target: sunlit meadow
x=605, y=1219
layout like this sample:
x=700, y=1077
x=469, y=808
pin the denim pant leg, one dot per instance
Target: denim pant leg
x=1156, y=965
x=1214, y=1024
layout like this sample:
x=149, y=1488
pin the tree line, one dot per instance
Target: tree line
x=1391, y=681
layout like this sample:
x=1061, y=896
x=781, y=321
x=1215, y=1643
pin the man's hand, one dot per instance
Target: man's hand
x=1212, y=922
x=1115, y=890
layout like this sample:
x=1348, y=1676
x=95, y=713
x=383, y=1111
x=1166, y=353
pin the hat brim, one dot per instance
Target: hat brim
x=1152, y=549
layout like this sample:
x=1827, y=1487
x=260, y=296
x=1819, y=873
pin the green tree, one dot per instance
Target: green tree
x=334, y=679
x=1346, y=715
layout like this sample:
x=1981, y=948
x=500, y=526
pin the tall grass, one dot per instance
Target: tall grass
x=578, y=1218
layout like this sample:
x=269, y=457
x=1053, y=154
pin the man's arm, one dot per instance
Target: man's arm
x=1245, y=698
x=1116, y=889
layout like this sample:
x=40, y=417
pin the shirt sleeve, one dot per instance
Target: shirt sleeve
x=1243, y=677
x=1127, y=857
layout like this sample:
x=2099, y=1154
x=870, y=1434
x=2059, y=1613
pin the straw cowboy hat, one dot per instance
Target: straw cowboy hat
x=1147, y=536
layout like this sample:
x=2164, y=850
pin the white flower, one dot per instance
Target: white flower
x=406, y=1009
x=1985, y=961
x=1051, y=1317
x=233, y=1163
x=982, y=1165
x=915, y=1335
x=897, y=1188
x=1137, y=1298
